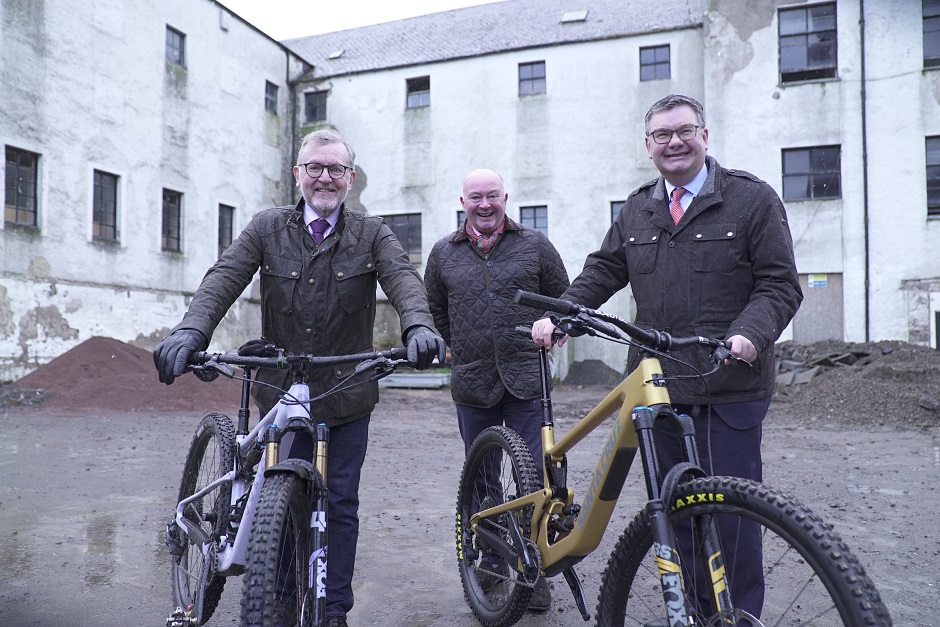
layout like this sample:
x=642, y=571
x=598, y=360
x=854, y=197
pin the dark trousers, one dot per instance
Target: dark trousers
x=347, y=452
x=523, y=417
x=728, y=442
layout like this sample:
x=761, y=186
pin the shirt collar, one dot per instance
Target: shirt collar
x=693, y=187
x=310, y=215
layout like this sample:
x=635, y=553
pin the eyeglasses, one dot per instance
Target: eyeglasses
x=664, y=135
x=314, y=170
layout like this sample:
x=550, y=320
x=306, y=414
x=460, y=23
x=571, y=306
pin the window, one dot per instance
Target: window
x=933, y=176
x=315, y=106
x=532, y=78
x=654, y=63
x=172, y=204
x=615, y=207
x=536, y=217
x=812, y=173
x=270, y=97
x=226, y=225
x=931, y=34
x=175, y=46
x=22, y=174
x=104, y=207
x=407, y=228
x=808, y=43
x=419, y=92
x=461, y=218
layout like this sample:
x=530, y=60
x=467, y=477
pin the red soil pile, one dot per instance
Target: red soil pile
x=105, y=375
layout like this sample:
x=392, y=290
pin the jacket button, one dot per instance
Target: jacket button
x=495, y=328
x=730, y=233
x=632, y=239
x=339, y=373
x=308, y=331
x=369, y=266
x=654, y=238
x=340, y=275
x=698, y=236
x=671, y=244
x=293, y=274
x=267, y=268
x=489, y=264
x=492, y=296
x=311, y=281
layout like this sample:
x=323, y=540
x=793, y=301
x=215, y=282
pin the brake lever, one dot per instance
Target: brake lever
x=723, y=353
x=223, y=369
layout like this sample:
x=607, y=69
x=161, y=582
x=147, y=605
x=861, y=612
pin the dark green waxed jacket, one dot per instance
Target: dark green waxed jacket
x=318, y=300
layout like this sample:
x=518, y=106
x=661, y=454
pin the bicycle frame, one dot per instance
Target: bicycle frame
x=639, y=400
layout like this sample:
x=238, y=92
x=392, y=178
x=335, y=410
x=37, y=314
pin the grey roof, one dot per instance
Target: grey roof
x=487, y=29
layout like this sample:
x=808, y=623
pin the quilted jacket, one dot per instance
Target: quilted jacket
x=471, y=299
x=314, y=299
x=726, y=269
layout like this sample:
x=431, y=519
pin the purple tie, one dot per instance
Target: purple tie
x=317, y=228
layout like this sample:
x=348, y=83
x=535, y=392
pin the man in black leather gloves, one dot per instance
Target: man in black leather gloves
x=320, y=263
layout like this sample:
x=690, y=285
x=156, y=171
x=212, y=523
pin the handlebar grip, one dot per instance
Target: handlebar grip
x=547, y=303
x=399, y=352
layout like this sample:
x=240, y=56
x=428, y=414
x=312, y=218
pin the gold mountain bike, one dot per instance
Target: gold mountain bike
x=668, y=567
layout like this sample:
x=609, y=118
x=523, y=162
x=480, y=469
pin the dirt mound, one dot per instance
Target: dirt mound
x=103, y=374
x=865, y=384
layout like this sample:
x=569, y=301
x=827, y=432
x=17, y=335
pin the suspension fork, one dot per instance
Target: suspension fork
x=661, y=494
x=317, y=566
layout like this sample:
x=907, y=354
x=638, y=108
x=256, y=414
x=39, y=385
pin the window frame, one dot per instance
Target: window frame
x=104, y=206
x=418, y=92
x=13, y=169
x=461, y=218
x=171, y=236
x=226, y=226
x=407, y=228
x=812, y=42
x=539, y=214
x=656, y=63
x=931, y=28
x=532, y=84
x=175, y=46
x=270, y=97
x=816, y=177
x=321, y=97
x=932, y=163
x=615, y=207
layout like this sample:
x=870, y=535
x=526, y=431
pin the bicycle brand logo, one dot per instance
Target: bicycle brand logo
x=459, y=538
x=599, y=473
x=317, y=571
x=704, y=497
x=318, y=520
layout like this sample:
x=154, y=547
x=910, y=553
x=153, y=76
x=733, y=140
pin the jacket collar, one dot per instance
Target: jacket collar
x=460, y=234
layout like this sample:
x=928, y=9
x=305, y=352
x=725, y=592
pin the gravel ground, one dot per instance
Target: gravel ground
x=88, y=488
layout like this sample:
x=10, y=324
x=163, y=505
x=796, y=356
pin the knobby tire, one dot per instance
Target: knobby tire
x=498, y=468
x=278, y=551
x=811, y=576
x=211, y=455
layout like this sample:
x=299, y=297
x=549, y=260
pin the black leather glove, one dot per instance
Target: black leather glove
x=172, y=354
x=259, y=348
x=423, y=345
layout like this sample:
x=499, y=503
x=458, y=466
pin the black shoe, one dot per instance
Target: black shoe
x=491, y=573
x=541, y=600
x=335, y=621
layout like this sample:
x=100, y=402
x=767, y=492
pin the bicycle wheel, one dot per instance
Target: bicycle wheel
x=196, y=587
x=278, y=552
x=810, y=576
x=498, y=468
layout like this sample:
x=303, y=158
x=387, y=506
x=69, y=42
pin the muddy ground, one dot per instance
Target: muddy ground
x=85, y=494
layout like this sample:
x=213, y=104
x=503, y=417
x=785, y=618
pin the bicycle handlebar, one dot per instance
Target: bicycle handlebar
x=284, y=361
x=579, y=318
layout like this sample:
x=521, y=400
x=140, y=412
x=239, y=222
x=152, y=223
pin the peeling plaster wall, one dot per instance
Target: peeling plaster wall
x=752, y=117
x=87, y=87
